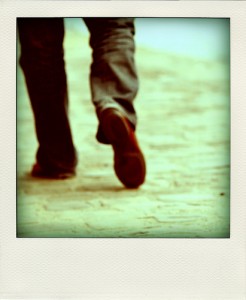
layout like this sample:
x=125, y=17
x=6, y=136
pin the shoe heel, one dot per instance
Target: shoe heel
x=115, y=128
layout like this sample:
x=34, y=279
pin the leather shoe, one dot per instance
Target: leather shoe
x=129, y=163
x=49, y=173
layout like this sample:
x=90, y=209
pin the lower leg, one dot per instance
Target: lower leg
x=43, y=66
x=113, y=77
x=114, y=85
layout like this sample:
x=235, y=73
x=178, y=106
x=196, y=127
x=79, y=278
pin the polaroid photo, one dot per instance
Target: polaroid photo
x=122, y=161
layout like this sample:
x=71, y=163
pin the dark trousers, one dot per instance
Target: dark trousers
x=113, y=79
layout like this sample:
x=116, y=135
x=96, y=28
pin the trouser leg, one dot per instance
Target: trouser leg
x=42, y=62
x=113, y=77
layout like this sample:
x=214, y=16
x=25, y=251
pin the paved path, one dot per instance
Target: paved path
x=183, y=108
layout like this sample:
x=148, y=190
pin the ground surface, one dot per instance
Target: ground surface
x=183, y=109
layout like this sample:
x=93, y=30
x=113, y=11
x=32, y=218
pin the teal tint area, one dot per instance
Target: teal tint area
x=206, y=38
x=183, y=107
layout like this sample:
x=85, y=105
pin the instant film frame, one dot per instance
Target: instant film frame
x=123, y=268
x=183, y=128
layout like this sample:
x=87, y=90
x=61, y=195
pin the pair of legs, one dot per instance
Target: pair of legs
x=113, y=81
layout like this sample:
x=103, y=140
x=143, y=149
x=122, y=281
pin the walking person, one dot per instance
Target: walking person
x=114, y=85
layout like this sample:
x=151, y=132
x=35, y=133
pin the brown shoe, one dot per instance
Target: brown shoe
x=40, y=172
x=129, y=163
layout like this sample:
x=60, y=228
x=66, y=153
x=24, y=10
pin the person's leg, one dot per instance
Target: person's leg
x=42, y=62
x=114, y=84
x=113, y=78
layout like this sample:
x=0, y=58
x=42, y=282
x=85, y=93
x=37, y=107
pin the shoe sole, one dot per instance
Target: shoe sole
x=44, y=174
x=129, y=165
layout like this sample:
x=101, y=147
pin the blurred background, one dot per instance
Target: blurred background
x=205, y=38
x=183, y=108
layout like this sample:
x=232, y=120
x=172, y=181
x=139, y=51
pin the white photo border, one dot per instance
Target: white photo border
x=122, y=268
